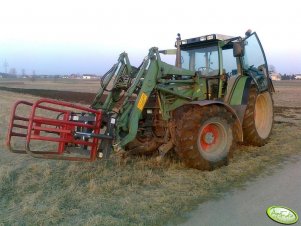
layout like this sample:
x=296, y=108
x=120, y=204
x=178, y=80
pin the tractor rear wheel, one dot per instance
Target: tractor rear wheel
x=258, y=118
x=204, y=136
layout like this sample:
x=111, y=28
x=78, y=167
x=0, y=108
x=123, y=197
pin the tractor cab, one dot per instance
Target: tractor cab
x=221, y=59
x=202, y=54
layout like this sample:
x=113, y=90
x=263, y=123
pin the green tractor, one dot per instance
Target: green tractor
x=217, y=94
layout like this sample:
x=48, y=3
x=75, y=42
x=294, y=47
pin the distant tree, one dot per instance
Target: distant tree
x=272, y=68
x=55, y=78
x=284, y=77
x=5, y=65
x=13, y=71
x=288, y=77
x=23, y=72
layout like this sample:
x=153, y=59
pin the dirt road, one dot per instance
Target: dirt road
x=280, y=186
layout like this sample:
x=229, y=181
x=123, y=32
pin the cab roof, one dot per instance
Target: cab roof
x=206, y=39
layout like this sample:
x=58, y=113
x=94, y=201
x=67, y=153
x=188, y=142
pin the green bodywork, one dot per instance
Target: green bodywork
x=173, y=87
x=237, y=93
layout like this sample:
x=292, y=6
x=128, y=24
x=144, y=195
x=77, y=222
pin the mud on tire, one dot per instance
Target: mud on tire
x=258, y=118
x=204, y=137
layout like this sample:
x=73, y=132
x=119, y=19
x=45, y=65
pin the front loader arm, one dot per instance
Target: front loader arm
x=153, y=75
x=148, y=75
x=116, y=79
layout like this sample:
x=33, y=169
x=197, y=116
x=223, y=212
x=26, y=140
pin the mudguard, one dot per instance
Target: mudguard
x=203, y=103
x=240, y=91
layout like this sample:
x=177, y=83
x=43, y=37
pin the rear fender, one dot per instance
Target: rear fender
x=239, y=94
x=238, y=124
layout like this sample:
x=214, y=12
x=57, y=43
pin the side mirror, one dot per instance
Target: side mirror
x=238, y=49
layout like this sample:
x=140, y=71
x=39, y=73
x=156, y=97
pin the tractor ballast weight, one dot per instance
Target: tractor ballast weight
x=219, y=93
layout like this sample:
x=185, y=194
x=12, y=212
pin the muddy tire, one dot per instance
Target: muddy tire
x=138, y=146
x=204, y=136
x=258, y=118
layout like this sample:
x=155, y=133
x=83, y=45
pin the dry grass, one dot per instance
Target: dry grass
x=137, y=192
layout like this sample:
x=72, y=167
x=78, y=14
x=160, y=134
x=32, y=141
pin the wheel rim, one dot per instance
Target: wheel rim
x=213, y=137
x=263, y=115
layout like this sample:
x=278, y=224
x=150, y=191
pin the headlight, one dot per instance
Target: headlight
x=210, y=37
x=203, y=38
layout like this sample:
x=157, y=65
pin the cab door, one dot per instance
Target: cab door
x=254, y=62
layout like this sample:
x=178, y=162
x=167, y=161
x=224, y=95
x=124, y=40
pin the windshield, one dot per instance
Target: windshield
x=202, y=59
x=254, y=56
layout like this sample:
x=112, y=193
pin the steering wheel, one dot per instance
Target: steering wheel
x=205, y=69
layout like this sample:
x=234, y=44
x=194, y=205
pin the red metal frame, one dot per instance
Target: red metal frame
x=14, y=123
x=62, y=126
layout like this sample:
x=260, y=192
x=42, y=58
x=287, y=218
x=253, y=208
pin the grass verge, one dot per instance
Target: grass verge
x=139, y=191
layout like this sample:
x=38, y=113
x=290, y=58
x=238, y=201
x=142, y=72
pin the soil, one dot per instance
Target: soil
x=69, y=96
x=274, y=188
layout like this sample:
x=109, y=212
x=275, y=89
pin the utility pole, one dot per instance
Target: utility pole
x=5, y=65
x=23, y=72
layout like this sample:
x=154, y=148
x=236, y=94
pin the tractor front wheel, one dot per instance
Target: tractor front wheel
x=258, y=118
x=204, y=136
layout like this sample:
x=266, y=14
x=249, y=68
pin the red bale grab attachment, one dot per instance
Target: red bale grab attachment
x=80, y=131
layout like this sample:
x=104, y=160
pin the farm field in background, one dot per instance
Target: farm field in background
x=137, y=191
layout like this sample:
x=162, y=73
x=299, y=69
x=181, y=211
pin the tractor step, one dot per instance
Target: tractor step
x=55, y=125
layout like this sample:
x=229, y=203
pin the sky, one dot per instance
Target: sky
x=65, y=37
